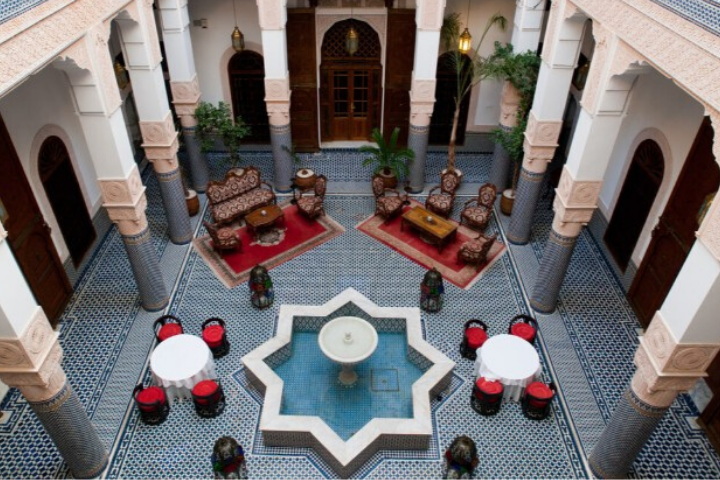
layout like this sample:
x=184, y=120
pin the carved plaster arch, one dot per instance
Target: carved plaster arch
x=51, y=130
x=225, y=61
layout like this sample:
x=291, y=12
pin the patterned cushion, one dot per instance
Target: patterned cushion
x=476, y=215
x=390, y=204
x=309, y=204
x=440, y=203
x=242, y=205
x=225, y=233
x=474, y=245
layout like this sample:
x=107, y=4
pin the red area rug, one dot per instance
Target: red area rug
x=272, y=248
x=409, y=244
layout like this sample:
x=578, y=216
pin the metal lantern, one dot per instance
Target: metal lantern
x=228, y=459
x=238, y=40
x=465, y=43
x=461, y=458
x=261, y=287
x=351, y=41
x=432, y=291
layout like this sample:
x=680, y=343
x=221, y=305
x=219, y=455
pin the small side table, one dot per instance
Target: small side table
x=263, y=218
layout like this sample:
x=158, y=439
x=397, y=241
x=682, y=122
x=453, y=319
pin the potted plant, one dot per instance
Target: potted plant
x=469, y=68
x=216, y=122
x=389, y=161
x=304, y=177
x=520, y=70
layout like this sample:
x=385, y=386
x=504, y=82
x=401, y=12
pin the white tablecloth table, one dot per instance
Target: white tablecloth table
x=179, y=363
x=511, y=360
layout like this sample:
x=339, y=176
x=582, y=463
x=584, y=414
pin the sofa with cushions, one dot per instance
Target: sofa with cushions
x=237, y=195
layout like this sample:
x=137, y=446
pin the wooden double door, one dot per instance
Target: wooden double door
x=352, y=101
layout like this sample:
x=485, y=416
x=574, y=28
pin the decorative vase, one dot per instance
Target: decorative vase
x=389, y=178
x=305, y=179
x=506, y=201
x=193, y=202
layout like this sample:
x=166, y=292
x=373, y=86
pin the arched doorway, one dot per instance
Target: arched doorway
x=441, y=121
x=247, y=88
x=66, y=199
x=636, y=198
x=350, y=85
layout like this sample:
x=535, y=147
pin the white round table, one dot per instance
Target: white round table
x=511, y=360
x=179, y=363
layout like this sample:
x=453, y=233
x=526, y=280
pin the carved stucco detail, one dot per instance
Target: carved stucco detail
x=536, y=158
x=422, y=102
x=623, y=58
x=29, y=349
x=125, y=201
x=272, y=14
x=186, y=92
x=423, y=90
x=122, y=191
x=160, y=134
x=592, y=90
x=509, y=104
x=98, y=37
x=578, y=193
x=542, y=133
x=42, y=382
x=277, y=89
x=431, y=14
x=77, y=52
x=278, y=113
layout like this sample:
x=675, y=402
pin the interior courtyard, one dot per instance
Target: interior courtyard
x=612, y=246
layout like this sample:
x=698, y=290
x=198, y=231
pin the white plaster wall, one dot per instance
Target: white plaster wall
x=656, y=104
x=211, y=45
x=45, y=99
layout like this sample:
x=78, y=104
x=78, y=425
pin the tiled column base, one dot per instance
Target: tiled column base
x=553, y=267
x=282, y=161
x=199, y=173
x=173, y=198
x=65, y=420
x=418, y=142
x=500, y=168
x=526, y=198
x=146, y=270
x=630, y=426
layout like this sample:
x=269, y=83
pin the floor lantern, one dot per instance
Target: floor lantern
x=261, y=287
x=432, y=291
x=228, y=459
x=461, y=458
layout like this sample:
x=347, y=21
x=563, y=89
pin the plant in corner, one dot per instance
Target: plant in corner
x=470, y=69
x=216, y=122
x=390, y=162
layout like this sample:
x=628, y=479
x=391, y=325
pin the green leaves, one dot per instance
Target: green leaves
x=217, y=121
x=387, y=155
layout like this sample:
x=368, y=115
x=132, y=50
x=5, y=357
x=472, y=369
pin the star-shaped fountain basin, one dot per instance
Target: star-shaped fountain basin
x=388, y=407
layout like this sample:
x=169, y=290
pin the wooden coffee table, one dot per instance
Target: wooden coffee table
x=433, y=228
x=263, y=218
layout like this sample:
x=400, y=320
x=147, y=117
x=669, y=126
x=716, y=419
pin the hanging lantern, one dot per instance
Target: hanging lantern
x=432, y=291
x=261, y=287
x=465, y=42
x=351, y=41
x=238, y=40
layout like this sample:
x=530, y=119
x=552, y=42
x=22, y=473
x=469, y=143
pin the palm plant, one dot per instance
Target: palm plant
x=469, y=69
x=387, y=158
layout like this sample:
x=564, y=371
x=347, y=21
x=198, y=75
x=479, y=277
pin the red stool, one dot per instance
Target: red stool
x=537, y=399
x=473, y=338
x=152, y=404
x=524, y=327
x=215, y=335
x=209, y=398
x=167, y=326
x=487, y=396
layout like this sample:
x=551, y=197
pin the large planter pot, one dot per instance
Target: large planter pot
x=458, y=172
x=305, y=179
x=389, y=178
x=506, y=201
x=193, y=202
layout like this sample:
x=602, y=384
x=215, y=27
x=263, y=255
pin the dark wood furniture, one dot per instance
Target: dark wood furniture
x=237, y=195
x=475, y=250
x=223, y=238
x=263, y=218
x=388, y=201
x=442, y=202
x=311, y=204
x=433, y=229
x=477, y=217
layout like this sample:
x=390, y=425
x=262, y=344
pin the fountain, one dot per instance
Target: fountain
x=348, y=341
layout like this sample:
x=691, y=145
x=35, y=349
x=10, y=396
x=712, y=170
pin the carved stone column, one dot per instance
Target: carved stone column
x=422, y=101
x=160, y=141
x=277, y=99
x=501, y=162
x=540, y=143
x=574, y=205
x=125, y=201
x=31, y=363
x=186, y=98
x=664, y=369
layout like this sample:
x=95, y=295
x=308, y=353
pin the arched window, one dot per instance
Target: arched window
x=441, y=121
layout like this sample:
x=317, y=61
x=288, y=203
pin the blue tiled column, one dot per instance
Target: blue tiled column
x=280, y=136
x=199, y=173
x=146, y=270
x=526, y=198
x=64, y=419
x=418, y=142
x=176, y=212
x=500, y=168
x=553, y=267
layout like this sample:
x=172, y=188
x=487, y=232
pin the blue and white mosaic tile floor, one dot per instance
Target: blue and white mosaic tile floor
x=586, y=348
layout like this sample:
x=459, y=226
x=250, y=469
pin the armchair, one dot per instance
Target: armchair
x=311, y=205
x=223, y=238
x=442, y=202
x=388, y=201
x=477, y=217
x=476, y=250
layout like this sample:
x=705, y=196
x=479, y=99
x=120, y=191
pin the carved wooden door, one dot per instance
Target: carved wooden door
x=398, y=72
x=354, y=101
x=302, y=65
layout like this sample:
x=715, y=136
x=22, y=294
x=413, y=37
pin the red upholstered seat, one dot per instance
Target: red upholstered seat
x=476, y=337
x=539, y=394
x=204, y=390
x=524, y=331
x=169, y=330
x=213, y=335
x=489, y=388
x=148, y=398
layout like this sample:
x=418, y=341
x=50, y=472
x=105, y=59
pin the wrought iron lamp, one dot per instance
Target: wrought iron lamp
x=237, y=37
x=465, y=44
x=352, y=39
